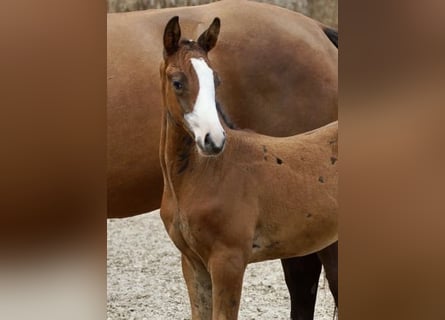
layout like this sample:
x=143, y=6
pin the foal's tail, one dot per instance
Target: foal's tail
x=332, y=34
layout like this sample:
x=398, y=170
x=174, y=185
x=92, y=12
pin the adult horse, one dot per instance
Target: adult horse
x=278, y=66
x=233, y=197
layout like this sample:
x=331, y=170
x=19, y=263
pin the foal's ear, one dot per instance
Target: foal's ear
x=172, y=34
x=207, y=39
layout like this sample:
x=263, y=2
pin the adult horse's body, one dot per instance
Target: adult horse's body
x=235, y=197
x=271, y=97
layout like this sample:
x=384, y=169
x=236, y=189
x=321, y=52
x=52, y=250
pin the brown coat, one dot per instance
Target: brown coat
x=279, y=75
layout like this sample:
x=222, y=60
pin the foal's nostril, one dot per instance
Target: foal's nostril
x=209, y=147
x=207, y=140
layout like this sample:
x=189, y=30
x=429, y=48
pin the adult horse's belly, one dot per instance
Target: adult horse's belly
x=278, y=72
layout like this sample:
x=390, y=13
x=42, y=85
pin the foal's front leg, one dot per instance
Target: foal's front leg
x=199, y=286
x=227, y=272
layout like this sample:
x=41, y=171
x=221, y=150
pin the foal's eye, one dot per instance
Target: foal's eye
x=178, y=85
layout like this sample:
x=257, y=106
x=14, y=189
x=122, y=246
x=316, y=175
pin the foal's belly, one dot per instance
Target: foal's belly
x=291, y=242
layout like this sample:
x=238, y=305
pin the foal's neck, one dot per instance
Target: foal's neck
x=177, y=149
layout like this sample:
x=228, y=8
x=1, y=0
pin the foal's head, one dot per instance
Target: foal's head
x=188, y=86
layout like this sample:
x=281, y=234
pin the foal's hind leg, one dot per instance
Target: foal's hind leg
x=227, y=271
x=199, y=286
x=329, y=259
x=301, y=275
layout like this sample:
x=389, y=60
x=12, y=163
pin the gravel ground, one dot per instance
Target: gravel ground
x=145, y=279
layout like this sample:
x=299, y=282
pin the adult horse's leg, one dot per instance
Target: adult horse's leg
x=301, y=275
x=199, y=287
x=329, y=258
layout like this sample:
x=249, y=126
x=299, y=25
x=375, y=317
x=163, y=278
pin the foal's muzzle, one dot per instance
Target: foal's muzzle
x=209, y=147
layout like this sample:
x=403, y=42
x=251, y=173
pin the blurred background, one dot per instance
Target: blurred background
x=325, y=11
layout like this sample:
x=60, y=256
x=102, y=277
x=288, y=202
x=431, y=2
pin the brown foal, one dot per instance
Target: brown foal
x=280, y=77
x=233, y=197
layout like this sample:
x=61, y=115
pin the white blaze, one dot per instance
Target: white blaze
x=204, y=117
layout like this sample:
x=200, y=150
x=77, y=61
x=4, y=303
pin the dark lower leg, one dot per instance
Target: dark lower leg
x=329, y=258
x=301, y=275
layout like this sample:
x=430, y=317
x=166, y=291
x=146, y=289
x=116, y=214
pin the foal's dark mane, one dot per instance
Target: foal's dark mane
x=227, y=121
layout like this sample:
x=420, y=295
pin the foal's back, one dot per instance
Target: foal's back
x=314, y=153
